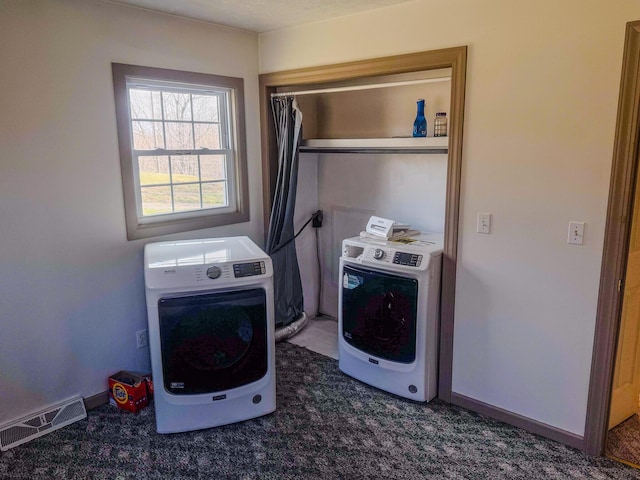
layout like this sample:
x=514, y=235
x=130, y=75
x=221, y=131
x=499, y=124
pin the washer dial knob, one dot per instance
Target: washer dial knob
x=213, y=272
x=378, y=254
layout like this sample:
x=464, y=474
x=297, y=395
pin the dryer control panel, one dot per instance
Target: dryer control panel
x=248, y=269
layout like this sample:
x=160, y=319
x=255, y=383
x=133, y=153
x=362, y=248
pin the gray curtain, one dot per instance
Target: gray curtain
x=287, y=285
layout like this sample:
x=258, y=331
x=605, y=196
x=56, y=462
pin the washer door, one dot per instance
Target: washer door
x=213, y=342
x=379, y=313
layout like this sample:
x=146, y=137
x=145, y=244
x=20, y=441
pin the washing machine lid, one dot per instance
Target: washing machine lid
x=208, y=262
x=201, y=252
x=425, y=243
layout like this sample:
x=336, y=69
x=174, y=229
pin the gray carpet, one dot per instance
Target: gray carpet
x=327, y=426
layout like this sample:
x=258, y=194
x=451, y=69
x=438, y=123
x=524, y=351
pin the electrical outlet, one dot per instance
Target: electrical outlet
x=484, y=223
x=576, y=233
x=141, y=338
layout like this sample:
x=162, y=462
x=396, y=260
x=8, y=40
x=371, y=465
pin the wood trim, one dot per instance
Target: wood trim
x=410, y=62
x=454, y=58
x=623, y=172
x=519, y=421
x=450, y=257
x=96, y=400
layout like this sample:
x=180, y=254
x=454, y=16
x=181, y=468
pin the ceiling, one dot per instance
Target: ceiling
x=260, y=15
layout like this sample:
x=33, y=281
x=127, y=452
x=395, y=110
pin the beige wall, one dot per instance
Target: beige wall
x=71, y=285
x=542, y=89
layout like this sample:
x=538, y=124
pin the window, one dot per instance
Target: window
x=182, y=149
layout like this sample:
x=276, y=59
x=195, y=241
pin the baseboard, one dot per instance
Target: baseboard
x=519, y=421
x=96, y=400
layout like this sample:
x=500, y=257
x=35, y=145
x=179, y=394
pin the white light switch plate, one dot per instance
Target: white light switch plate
x=576, y=233
x=484, y=223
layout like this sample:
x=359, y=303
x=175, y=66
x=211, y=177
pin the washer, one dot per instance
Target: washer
x=211, y=332
x=388, y=313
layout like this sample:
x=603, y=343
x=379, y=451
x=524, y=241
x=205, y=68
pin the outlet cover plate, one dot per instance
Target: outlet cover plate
x=142, y=339
x=576, y=233
x=484, y=223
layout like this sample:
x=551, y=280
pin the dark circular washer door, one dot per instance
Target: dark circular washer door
x=201, y=349
x=213, y=341
x=379, y=313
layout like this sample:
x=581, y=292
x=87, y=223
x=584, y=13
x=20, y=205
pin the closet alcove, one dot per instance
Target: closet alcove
x=361, y=108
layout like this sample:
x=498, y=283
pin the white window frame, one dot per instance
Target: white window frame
x=232, y=125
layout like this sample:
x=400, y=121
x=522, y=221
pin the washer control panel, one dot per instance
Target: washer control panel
x=409, y=255
x=409, y=259
x=390, y=255
x=214, y=272
x=248, y=269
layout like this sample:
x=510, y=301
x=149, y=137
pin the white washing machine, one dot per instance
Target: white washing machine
x=389, y=313
x=211, y=332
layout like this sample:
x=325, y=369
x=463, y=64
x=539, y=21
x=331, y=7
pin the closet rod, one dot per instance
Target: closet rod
x=361, y=87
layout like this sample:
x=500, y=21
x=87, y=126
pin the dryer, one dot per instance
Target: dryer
x=211, y=332
x=388, y=313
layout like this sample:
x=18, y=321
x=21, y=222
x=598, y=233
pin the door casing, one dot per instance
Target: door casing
x=454, y=58
x=616, y=244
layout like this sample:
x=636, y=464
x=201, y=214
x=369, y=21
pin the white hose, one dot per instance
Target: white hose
x=293, y=328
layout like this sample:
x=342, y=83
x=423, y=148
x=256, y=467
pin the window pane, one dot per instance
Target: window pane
x=186, y=197
x=184, y=168
x=177, y=106
x=179, y=136
x=212, y=167
x=205, y=108
x=214, y=195
x=145, y=104
x=147, y=135
x=154, y=170
x=156, y=200
x=208, y=136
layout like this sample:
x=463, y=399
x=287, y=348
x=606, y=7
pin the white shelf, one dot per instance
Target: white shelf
x=372, y=145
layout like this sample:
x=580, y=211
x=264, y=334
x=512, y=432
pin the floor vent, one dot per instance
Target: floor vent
x=45, y=421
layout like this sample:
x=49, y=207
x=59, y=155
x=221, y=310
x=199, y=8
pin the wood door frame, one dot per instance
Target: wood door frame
x=454, y=58
x=616, y=244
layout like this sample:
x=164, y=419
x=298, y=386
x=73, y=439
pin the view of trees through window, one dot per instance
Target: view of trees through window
x=181, y=147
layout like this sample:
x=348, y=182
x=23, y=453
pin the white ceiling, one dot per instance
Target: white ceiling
x=260, y=15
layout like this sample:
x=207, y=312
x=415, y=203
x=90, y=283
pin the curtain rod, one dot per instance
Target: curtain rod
x=361, y=87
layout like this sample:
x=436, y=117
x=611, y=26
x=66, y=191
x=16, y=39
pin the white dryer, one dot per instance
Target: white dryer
x=211, y=332
x=388, y=313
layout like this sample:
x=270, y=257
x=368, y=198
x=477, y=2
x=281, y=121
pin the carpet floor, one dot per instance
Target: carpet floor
x=326, y=426
x=623, y=441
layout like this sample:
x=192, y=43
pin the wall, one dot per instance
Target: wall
x=352, y=187
x=541, y=99
x=71, y=285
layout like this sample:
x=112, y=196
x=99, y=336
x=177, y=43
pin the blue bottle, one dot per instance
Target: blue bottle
x=420, y=124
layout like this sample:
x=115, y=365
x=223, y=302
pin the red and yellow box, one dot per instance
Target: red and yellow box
x=129, y=390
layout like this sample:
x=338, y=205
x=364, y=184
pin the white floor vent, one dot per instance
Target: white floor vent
x=42, y=422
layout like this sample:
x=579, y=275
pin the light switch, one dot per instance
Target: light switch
x=484, y=223
x=576, y=233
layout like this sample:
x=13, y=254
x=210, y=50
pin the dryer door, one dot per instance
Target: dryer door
x=379, y=313
x=214, y=341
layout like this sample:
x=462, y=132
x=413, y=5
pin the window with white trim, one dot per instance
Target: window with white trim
x=182, y=145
